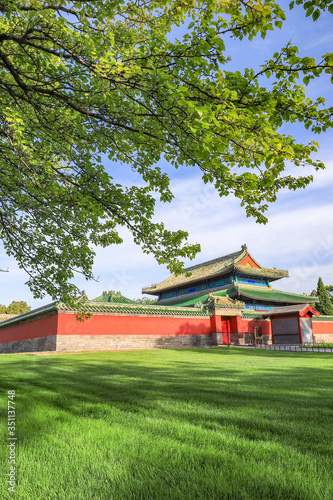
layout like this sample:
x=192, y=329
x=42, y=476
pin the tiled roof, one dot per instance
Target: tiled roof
x=226, y=302
x=296, y=308
x=108, y=308
x=247, y=313
x=271, y=295
x=200, y=271
x=31, y=314
x=214, y=268
x=113, y=297
x=153, y=310
x=253, y=292
x=263, y=272
x=198, y=300
x=323, y=318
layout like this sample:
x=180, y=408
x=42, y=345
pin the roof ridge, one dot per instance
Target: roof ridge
x=293, y=293
x=119, y=305
x=261, y=269
x=213, y=261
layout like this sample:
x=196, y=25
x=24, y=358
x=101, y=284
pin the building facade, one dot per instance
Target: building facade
x=237, y=276
x=226, y=300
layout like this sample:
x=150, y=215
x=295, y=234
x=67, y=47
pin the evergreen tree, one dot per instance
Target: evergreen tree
x=324, y=306
x=329, y=289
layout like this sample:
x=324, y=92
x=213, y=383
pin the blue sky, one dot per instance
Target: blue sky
x=298, y=236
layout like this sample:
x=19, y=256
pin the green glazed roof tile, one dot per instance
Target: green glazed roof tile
x=215, y=268
x=200, y=271
x=199, y=300
x=269, y=294
x=322, y=318
x=251, y=314
x=262, y=272
x=108, y=308
x=153, y=310
x=29, y=315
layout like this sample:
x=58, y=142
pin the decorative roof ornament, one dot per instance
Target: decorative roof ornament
x=244, y=247
x=223, y=301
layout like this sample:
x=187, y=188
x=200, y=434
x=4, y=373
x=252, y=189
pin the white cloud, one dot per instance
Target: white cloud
x=298, y=237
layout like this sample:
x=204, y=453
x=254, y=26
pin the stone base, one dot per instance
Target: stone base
x=119, y=342
x=5, y=317
x=248, y=339
x=323, y=337
x=29, y=345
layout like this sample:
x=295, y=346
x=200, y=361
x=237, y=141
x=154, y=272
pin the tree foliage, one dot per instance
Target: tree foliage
x=15, y=307
x=329, y=290
x=84, y=80
x=146, y=300
x=324, y=305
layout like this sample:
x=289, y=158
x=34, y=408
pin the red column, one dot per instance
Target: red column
x=216, y=327
x=225, y=330
x=300, y=330
x=312, y=330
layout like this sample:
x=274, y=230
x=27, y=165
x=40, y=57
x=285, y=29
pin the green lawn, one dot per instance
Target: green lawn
x=171, y=424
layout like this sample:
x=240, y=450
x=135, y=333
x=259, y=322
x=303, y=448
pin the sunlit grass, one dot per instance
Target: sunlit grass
x=172, y=424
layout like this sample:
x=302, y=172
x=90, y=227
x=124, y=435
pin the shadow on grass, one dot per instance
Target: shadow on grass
x=269, y=393
x=250, y=397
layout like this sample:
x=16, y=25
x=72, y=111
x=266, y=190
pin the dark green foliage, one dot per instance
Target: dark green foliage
x=82, y=81
x=329, y=289
x=145, y=301
x=16, y=307
x=324, y=306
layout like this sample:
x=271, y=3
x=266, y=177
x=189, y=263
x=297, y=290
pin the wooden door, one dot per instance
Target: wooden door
x=225, y=330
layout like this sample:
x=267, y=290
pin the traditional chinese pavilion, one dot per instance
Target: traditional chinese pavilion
x=236, y=276
x=222, y=301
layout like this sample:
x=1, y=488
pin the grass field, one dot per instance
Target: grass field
x=170, y=424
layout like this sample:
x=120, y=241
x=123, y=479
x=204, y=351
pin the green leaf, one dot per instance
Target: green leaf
x=114, y=84
x=316, y=15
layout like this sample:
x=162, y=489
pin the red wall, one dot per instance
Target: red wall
x=241, y=325
x=322, y=327
x=133, y=325
x=216, y=324
x=42, y=327
x=66, y=324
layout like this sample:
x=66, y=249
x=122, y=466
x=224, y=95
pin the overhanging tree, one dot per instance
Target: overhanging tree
x=82, y=80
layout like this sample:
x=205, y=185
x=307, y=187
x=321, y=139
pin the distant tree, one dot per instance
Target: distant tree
x=17, y=307
x=324, y=306
x=2, y=309
x=329, y=289
x=145, y=300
